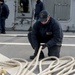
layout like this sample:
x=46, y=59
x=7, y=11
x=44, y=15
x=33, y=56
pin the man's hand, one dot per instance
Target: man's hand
x=44, y=46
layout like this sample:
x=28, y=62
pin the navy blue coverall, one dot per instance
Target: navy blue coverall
x=38, y=8
x=50, y=33
x=4, y=12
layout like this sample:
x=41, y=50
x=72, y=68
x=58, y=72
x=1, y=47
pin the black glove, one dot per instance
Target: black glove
x=36, y=49
x=44, y=46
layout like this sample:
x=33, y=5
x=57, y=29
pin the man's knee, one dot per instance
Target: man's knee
x=29, y=35
x=54, y=51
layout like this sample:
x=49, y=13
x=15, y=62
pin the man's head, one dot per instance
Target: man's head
x=43, y=16
x=1, y=1
x=37, y=0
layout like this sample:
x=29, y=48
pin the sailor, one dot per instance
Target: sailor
x=47, y=31
x=38, y=8
x=4, y=13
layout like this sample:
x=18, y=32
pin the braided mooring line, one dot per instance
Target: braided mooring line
x=60, y=66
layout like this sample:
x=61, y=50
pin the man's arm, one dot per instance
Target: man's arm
x=57, y=35
x=35, y=43
x=6, y=11
x=42, y=6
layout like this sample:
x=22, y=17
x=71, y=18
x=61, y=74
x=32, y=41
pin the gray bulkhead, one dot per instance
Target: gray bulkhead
x=61, y=10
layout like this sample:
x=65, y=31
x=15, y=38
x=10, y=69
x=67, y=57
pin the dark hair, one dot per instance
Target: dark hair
x=2, y=1
x=38, y=1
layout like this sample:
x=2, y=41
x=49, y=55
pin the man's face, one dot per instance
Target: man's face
x=1, y=2
x=46, y=20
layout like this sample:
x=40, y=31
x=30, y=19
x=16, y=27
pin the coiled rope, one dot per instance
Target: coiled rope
x=60, y=66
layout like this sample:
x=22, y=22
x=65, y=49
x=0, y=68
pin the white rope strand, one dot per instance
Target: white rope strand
x=61, y=66
x=36, y=61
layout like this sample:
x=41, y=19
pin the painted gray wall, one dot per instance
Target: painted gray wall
x=59, y=9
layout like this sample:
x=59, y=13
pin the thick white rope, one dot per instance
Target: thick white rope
x=36, y=61
x=71, y=70
x=11, y=63
x=61, y=66
x=50, y=66
x=67, y=66
x=24, y=66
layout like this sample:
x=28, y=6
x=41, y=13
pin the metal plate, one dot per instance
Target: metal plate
x=7, y=73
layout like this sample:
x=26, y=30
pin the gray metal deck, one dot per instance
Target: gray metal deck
x=15, y=44
x=19, y=49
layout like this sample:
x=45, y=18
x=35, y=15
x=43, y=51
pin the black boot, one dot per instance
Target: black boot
x=41, y=55
x=35, y=54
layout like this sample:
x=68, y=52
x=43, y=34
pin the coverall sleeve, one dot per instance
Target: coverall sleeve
x=7, y=11
x=42, y=6
x=34, y=34
x=57, y=35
